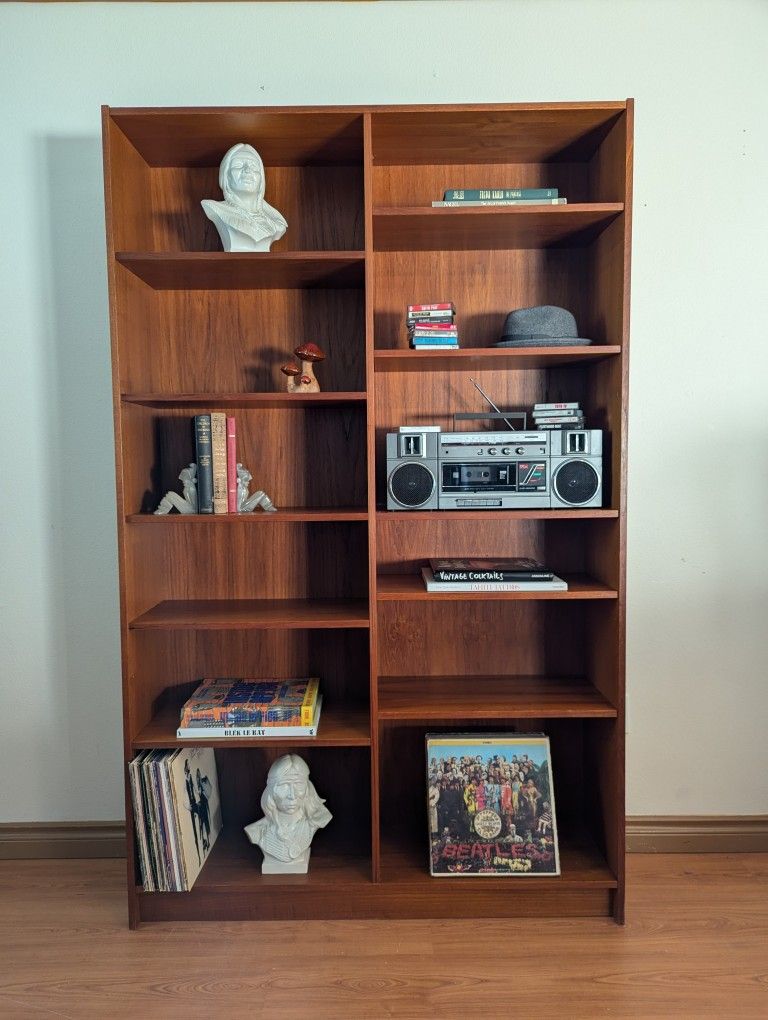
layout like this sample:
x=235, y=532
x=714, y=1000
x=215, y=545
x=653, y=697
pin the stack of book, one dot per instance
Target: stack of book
x=558, y=416
x=461, y=198
x=177, y=813
x=489, y=575
x=432, y=327
x=216, y=455
x=252, y=708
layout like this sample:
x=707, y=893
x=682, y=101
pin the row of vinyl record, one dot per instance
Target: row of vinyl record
x=177, y=815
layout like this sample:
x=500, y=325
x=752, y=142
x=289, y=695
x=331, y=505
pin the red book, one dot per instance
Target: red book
x=231, y=466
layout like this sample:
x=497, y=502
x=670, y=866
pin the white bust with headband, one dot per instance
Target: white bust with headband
x=293, y=812
x=245, y=222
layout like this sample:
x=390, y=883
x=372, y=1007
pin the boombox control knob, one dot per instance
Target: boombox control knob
x=506, y=451
x=492, y=452
x=519, y=449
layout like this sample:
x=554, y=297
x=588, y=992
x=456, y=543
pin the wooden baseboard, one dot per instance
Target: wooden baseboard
x=697, y=834
x=691, y=834
x=33, y=840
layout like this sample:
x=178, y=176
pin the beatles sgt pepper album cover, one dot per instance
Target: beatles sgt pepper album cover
x=491, y=805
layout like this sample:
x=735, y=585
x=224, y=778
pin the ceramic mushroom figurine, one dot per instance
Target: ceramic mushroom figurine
x=292, y=370
x=308, y=354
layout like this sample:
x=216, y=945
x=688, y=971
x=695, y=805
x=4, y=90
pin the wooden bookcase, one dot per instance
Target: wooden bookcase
x=328, y=585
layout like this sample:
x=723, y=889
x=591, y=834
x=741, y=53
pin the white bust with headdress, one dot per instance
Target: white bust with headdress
x=293, y=812
x=245, y=222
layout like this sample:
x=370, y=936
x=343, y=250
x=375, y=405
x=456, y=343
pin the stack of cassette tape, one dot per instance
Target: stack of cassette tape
x=558, y=416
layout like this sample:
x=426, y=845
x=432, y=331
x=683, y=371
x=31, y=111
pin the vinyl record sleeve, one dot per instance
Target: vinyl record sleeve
x=491, y=805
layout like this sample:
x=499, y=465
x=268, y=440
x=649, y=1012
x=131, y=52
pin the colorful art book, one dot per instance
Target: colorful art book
x=491, y=805
x=234, y=702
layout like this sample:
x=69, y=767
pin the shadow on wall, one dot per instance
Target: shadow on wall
x=81, y=482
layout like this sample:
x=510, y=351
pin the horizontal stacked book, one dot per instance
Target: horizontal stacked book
x=177, y=814
x=462, y=198
x=252, y=708
x=216, y=455
x=489, y=575
x=558, y=416
x=432, y=326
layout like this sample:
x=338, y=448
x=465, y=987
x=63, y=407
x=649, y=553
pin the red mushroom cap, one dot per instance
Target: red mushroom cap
x=290, y=368
x=309, y=352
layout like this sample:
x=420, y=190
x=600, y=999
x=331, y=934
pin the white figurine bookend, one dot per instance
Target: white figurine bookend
x=247, y=502
x=293, y=812
x=245, y=222
x=186, y=504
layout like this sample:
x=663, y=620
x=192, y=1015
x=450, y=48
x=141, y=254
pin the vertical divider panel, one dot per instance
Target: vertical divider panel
x=371, y=467
x=116, y=208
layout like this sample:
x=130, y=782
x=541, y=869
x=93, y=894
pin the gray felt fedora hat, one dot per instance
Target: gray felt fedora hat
x=542, y=326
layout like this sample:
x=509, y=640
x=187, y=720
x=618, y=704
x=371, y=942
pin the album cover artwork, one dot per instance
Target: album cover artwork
x=491, y=805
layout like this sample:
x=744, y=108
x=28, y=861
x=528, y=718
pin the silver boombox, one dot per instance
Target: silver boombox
x=432, y=470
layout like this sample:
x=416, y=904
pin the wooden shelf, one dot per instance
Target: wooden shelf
x=338, y=884
x=253, y=614
x=308, y=514
x=474, y=358
x=495, y=515
x=456, y=698
x=205, y=270
x=410, y=588
x=489, y=227
x=199, y=136
x=340, y=726
x=293, y=401
x=582, y=866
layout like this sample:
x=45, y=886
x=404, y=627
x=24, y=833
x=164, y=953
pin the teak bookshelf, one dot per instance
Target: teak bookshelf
x=329, y=584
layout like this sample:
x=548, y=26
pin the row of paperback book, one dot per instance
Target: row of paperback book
x=489, y=575
x=432, y=326
x=566, y=415
x=177, y=815
x=221, y=708
x=462, y=198
x=215, y=436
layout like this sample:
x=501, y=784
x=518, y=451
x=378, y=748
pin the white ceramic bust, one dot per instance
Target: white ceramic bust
x=245, y=222
x=293, y=812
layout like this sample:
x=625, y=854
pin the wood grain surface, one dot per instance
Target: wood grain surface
x=693, y=946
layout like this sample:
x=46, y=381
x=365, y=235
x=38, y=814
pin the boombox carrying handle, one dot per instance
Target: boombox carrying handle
x=519, y=416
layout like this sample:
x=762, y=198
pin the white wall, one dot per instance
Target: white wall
x=697, y=557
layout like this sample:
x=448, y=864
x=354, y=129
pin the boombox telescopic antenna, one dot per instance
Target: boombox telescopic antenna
x=496, y=409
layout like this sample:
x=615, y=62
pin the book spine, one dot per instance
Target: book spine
x=243, y=732
x=309, y=703
x=487, y=586
x=429, y=320
x=434, y=338
x=435, y=347
x=487, y=194
x=204, y=465
x=440, y=306
x=231, y=466
x=219, y=461
x=433, y=327
x=502, y=202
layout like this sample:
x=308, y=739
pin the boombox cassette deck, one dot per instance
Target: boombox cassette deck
x=428, y=469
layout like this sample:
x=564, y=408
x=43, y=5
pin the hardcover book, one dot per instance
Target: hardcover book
x=491, y=805
x=516, y=568
x=495, y=194
x=234, y=732
x=239, y=703
x=555, y=583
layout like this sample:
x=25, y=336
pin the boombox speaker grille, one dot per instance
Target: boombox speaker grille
x=576, y=482
x=411, y=484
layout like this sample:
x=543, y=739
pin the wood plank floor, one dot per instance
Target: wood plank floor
x=695, y=945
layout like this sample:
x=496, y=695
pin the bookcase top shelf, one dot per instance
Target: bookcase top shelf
x=219, y=270
x=489, y=227
x=473, y=358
